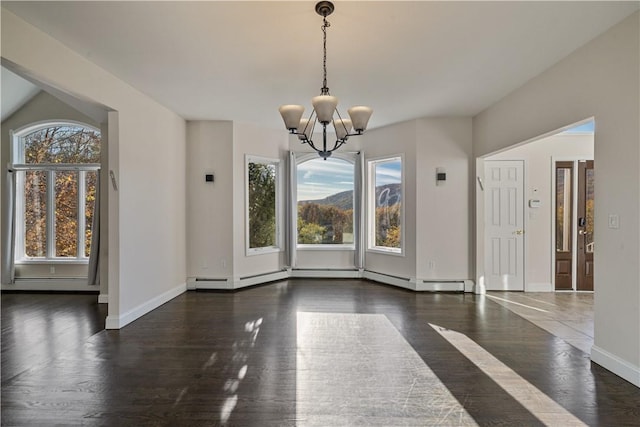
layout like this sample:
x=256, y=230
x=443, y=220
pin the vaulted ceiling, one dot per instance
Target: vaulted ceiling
x=241, y=60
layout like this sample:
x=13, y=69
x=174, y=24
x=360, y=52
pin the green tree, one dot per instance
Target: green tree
x=388, y=227
x=333, y=221
x=262, y=205
x=310, y=233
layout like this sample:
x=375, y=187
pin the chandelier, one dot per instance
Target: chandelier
x=324, y=107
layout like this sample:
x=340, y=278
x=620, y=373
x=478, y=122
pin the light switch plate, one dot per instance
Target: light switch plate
x=614, y=221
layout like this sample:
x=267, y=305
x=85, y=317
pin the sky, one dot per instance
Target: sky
x=585, y=127
x=319, y=178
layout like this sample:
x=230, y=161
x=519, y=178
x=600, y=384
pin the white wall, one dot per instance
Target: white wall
x=149, y=263
x=388, y=141
x=210, y=204
x=261, y=142
x=598, y=80
x=444, y=226
x=539, y=157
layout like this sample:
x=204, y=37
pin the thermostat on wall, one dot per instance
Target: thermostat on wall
x=534, y=203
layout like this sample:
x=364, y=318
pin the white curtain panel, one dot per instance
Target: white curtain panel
x=8, y=229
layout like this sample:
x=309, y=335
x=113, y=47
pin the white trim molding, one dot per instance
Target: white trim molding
x=618, y=366
x=118, y=322
x=103, y=299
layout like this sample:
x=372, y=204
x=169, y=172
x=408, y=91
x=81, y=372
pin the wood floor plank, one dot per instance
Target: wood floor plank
x=234, y=358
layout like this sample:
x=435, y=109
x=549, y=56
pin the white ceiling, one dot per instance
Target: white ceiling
x=241, y=60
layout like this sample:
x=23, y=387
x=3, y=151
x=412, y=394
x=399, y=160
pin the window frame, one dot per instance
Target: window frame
x=278, y=247
x=17, y=153
x=371, y=214
x=348, y=157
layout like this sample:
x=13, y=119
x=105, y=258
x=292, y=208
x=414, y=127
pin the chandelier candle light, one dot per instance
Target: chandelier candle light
x=324, y=107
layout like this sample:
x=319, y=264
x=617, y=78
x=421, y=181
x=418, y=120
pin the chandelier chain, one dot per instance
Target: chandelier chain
x=325, y=24
x=324, y=107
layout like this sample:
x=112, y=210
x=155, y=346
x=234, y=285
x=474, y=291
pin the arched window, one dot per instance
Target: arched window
x=57, y=165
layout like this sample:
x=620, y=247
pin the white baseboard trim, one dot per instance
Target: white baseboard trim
x=538, y=287
x=325, y=273
x=73, y=285
x=118, y=322
x=618, y=366
x=103, y=299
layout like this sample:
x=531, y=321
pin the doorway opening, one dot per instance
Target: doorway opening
x=549, y=238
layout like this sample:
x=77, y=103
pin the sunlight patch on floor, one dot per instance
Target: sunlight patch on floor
x=357, y=369
x=516, y=303
x=539, y=404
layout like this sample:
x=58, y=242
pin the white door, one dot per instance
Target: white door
x=504, y=225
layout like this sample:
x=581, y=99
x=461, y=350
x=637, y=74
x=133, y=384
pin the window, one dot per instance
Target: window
x=325, y=195
x=385, y=205
x=57, y=166
x=262, y=201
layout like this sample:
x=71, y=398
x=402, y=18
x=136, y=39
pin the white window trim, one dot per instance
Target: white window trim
x=371, y=216
x=18, y=165
x=278, y=247
x=347, y=156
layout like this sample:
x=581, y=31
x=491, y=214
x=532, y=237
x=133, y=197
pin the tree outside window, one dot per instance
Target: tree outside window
x=385, y=207
x=262, y=204
x=57, y=164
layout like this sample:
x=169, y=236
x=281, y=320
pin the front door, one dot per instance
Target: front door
x=584, y=279
x=504, y=225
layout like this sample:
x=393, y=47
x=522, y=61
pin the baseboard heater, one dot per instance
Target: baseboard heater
x=71, y=284
x=420, y=285
x=208, y=283
x=241, y=282
x=326, y=273
x=441, y=286
x=389, y=279
x=263, y=274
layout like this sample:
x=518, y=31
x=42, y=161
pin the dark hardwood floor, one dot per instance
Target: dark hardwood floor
x=299, y=352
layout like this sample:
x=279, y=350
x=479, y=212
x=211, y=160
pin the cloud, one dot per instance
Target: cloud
x=388, y=173
x=330, y=167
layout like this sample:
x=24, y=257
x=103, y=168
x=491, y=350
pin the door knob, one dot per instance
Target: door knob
x=518, y=232
x=581, y=232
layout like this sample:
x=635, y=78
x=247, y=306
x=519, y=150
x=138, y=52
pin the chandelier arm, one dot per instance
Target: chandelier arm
x=358, y=133
x=337, y=144
x=346, y=131
x=311, y=144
